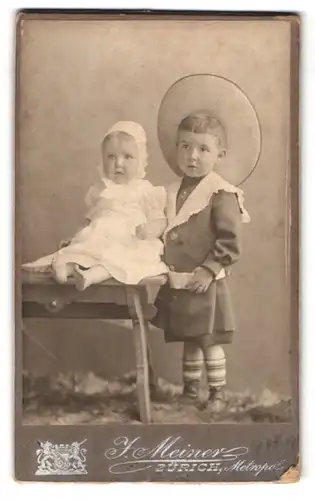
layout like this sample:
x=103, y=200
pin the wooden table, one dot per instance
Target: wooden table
x=42, y=297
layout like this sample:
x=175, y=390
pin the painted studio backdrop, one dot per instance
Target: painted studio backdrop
x=77, y=81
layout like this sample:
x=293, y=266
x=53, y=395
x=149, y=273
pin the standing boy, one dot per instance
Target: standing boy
x=202, y=242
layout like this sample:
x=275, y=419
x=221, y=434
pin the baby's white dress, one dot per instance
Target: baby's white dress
x=110, y=240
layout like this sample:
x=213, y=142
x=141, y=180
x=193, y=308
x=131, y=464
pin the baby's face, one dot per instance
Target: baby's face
x=197, y=154
x=120, y=159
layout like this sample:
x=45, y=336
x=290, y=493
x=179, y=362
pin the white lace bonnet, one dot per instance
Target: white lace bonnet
x=136, y=131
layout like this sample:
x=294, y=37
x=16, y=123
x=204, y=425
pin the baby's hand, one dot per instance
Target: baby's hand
x=141, y=232
x=200, y=281
x=64, y=243
x=148, y=231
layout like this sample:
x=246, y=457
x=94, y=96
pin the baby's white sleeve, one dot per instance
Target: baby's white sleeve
x=91, y=200
x=155, y=203
x=92, y=196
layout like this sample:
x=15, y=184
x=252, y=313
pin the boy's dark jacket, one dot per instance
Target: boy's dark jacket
x=209, y=238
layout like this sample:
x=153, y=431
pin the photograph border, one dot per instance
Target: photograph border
x=267, y=443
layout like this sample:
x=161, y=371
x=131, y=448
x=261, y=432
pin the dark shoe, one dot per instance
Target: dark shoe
x=216, y=399
x=190, y=395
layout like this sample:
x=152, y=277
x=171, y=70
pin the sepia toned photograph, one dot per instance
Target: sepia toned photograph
x=156, y=245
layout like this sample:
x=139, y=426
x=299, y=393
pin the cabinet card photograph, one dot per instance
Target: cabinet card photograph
x=156, y=247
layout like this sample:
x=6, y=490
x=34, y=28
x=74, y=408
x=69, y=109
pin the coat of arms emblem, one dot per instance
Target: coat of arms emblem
x=61, y=459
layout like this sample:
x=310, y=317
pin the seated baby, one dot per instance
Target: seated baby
x=125, y=219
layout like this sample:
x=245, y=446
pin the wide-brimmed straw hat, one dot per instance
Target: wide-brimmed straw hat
x=223, y=100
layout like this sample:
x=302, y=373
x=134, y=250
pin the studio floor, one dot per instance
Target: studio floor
x=76, y=399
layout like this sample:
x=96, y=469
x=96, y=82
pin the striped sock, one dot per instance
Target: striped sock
x=192, y=364
x=215, y=366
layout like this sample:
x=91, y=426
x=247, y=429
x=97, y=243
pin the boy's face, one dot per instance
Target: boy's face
x=120, y=159
x=197, y=154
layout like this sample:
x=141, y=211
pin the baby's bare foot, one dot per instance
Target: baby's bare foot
x=59, y=272
x=79, y=278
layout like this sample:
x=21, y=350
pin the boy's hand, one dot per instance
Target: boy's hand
x=200, y=281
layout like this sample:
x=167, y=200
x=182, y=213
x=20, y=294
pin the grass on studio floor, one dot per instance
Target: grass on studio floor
x=71, y=399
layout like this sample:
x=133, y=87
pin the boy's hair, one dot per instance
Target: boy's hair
x=203, y=123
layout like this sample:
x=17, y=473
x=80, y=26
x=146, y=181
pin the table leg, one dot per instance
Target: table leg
x=136, y=303
x=153, y=378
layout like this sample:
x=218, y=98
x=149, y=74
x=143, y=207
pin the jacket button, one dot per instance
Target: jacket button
x=173, y=235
